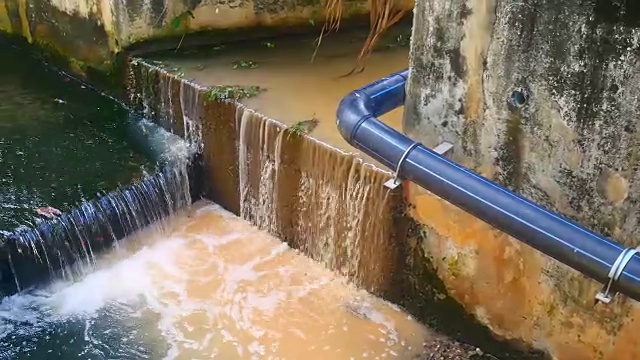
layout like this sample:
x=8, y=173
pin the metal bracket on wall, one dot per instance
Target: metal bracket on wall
x=604, y=296
x=394, y=182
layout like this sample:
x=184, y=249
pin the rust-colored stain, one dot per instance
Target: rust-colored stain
x=5, y=21
x=498, y=260
x=504, y=284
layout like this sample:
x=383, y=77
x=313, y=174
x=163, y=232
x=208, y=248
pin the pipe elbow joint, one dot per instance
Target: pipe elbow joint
x=351, y=112
x=370, y=101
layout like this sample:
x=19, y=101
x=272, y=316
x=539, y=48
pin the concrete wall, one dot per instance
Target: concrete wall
x=90, y=31
x=573, y=148
x=326, y=203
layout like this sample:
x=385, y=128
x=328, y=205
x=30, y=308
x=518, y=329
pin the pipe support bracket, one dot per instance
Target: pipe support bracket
x=441, y=149
x=605, y=295
x=396, y=181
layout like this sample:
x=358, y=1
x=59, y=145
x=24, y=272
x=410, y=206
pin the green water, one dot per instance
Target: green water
x=60, y=142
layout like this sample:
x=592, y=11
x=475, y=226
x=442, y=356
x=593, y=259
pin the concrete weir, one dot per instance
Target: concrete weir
x=326, y=202
x=291, y=185
x=88, y=34
x=522, y=126
x=536, y=95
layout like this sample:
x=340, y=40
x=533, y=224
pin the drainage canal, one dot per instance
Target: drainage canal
x=203, y=283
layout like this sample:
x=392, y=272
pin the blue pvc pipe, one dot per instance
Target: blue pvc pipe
x=548, y=232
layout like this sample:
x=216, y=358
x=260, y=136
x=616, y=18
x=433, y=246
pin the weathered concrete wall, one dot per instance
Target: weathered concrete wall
x=326, y=203
x=91, y=31
x=572, y=147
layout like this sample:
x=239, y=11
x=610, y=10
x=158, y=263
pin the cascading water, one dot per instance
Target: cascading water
x=321, y=200
x=325, y=202
x=67, y=246
x=258, y=171
x=209, y=285
x=61, y=142
x=69, y=249
x=173, y=102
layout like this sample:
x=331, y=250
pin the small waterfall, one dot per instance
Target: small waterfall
x=190, y=106
x=258, y=171
x=67, y=246
x=172, y=102
x=327, y=203
x=355, y=231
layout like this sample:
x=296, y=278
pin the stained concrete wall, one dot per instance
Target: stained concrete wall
x=326, y=203
x=90, y=32
x=573, y=147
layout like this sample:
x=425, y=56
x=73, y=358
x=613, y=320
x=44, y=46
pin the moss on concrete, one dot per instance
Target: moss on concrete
x=421, y=291
x=578, y=61
x=5, y=20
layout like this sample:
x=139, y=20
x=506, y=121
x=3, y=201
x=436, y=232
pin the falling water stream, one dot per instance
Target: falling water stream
x=201, y=283
x=60, y=142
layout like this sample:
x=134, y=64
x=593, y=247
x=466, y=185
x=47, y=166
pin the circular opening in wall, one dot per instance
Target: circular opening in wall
x=518, y=98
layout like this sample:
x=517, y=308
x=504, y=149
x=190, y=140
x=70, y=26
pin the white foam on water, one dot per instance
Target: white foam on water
x=215, y=287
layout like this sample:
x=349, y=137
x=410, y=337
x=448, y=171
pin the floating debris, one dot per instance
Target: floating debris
x=49, y=212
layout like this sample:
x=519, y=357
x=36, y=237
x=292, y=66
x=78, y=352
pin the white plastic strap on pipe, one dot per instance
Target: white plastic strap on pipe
x=617, y=268
x=396, y=181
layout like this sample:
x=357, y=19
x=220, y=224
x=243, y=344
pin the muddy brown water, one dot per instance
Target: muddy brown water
x=326, y=203
x=210, y=285
x=294, y=87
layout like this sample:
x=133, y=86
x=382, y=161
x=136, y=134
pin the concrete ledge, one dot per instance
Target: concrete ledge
x=90, y=33
x=260, y=169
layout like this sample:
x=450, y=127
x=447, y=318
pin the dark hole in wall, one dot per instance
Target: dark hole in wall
x=625, y=12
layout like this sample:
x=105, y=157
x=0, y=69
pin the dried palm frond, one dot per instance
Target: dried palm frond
x=332, y=21
x=382, y=16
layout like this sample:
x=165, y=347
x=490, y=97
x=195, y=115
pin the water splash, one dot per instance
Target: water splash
x=159, y=144
x=209, y=286
x=329, y=204
x=67, y=246
x=174, y=103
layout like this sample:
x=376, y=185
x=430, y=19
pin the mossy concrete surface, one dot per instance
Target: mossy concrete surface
x=541, y=96
x=90, y=32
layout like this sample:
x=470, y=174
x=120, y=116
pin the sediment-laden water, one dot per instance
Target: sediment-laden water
x=284, y=80
x=59, y=141
x=312, y=195
x=210, y=286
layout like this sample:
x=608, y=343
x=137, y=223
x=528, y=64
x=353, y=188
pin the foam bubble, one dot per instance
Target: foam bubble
x=213, y=285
